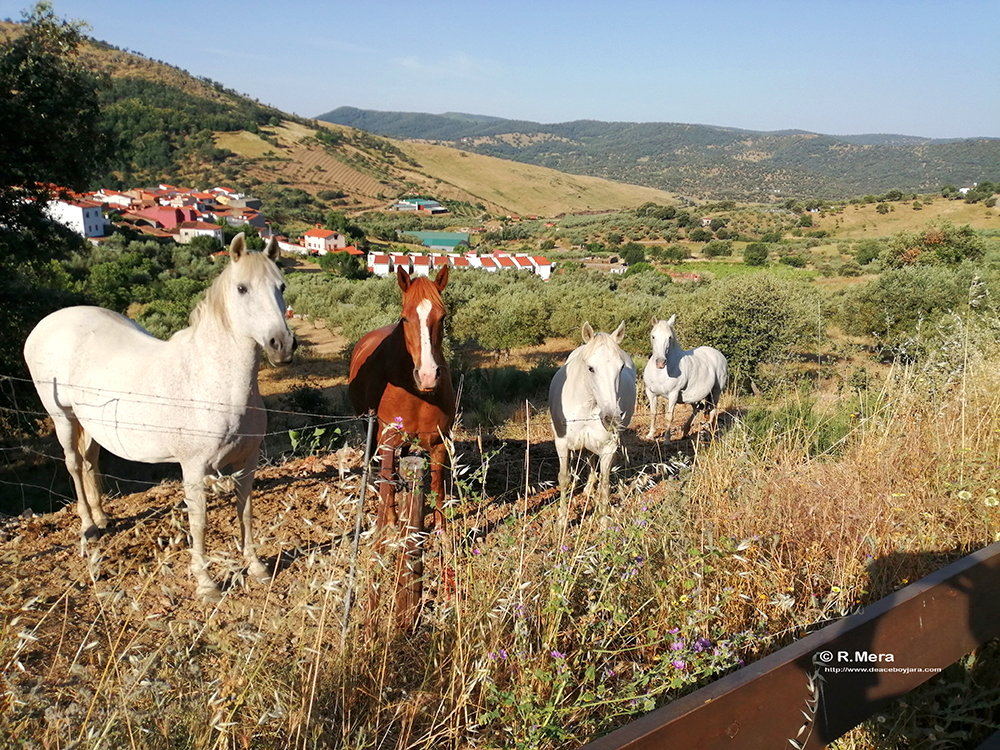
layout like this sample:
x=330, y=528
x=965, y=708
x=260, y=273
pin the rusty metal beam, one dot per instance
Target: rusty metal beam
x=802, y=692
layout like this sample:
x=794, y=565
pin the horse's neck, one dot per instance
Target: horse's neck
x=674, y=350
x=223, y=361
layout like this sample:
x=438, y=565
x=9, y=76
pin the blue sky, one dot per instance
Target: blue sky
x=836, y=67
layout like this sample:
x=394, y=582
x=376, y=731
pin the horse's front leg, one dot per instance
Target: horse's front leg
x=652, y=414
x=671, y=404
x=439, y=469
x=607, y=461
x=562, y=450
x=194, y=498
x=244, y=475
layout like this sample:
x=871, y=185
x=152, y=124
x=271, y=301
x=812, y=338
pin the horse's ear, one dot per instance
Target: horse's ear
x=587, y=332
x=441, y=279
x=238, y=247
x=271, y=250
x=619, y=333
x=654, y=320
x=403, y=278
x=672, y=319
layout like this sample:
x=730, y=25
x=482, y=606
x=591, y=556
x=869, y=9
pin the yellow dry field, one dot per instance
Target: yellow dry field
x=863, y=221
x=243, y=143
x=523, y=188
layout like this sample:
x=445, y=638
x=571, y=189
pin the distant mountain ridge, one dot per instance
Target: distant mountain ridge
x=702, y=160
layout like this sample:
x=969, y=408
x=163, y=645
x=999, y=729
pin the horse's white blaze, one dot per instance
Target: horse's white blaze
x=427, y=368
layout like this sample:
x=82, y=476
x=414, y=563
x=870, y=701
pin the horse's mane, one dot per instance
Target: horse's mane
x=213, y=304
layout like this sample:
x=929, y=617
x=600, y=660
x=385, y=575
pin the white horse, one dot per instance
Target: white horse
x=695, y=377
x=591, y=399
x=192, y=400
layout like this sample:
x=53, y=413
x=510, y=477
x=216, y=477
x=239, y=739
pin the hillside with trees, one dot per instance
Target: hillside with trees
x=702, y=161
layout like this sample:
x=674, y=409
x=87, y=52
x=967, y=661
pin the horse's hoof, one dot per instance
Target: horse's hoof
x=259, y=573
x=209, y=593
x=93, y=532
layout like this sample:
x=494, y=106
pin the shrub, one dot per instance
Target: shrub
x=868, y=250
x=752, y=319
x=717, y=248
x=755, y=254
x=940, y=244
x=641, y=267
x=501, y=322
x=633, y=252
x=795, y=261
x=891, y=306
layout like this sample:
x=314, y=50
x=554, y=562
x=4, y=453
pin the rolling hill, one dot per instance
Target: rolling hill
x=173, y=127
x=703, y=161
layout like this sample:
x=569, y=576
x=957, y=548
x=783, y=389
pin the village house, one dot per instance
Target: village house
x=322, y=241
x=84, y=217
x=419, y=204
x=188, y=230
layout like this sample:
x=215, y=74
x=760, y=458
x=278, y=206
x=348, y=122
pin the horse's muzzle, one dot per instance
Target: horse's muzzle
x=426, y=380
x=280, y=349
x=611, y=422
x=660, y=363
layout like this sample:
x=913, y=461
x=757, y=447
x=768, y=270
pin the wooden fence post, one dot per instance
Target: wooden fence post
x=410, y=564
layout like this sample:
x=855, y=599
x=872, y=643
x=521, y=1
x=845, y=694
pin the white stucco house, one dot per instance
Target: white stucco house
x=82, y=216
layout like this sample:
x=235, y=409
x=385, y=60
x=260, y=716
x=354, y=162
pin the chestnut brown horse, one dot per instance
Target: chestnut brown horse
x=399, y=372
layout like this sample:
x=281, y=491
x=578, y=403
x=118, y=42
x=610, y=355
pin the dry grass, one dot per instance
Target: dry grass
x=862, y=221
x=531, y=637
x=523, y=188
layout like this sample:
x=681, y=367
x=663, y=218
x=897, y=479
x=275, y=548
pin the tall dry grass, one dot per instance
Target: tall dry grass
x=533, y=637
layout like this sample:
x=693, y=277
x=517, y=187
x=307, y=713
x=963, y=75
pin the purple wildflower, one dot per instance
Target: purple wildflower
x=679, y=664
x=557, y=654
x=677, y=645
x=701, y=644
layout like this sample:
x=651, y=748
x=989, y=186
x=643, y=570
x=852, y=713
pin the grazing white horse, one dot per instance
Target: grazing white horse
x=191, y=400
x=592, y=398
x=695, y=377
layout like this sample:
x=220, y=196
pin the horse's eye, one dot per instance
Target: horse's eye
x=241, y=288
x=590, y=367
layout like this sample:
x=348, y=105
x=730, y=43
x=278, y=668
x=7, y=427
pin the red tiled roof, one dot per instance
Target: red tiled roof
x=323, y=233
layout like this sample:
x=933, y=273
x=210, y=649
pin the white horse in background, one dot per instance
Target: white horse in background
x=591, y=399
x=697, y=377
x=191, y=400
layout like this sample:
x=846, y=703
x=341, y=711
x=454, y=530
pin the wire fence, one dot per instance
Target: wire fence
x=102, y=400
x=13, y=453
